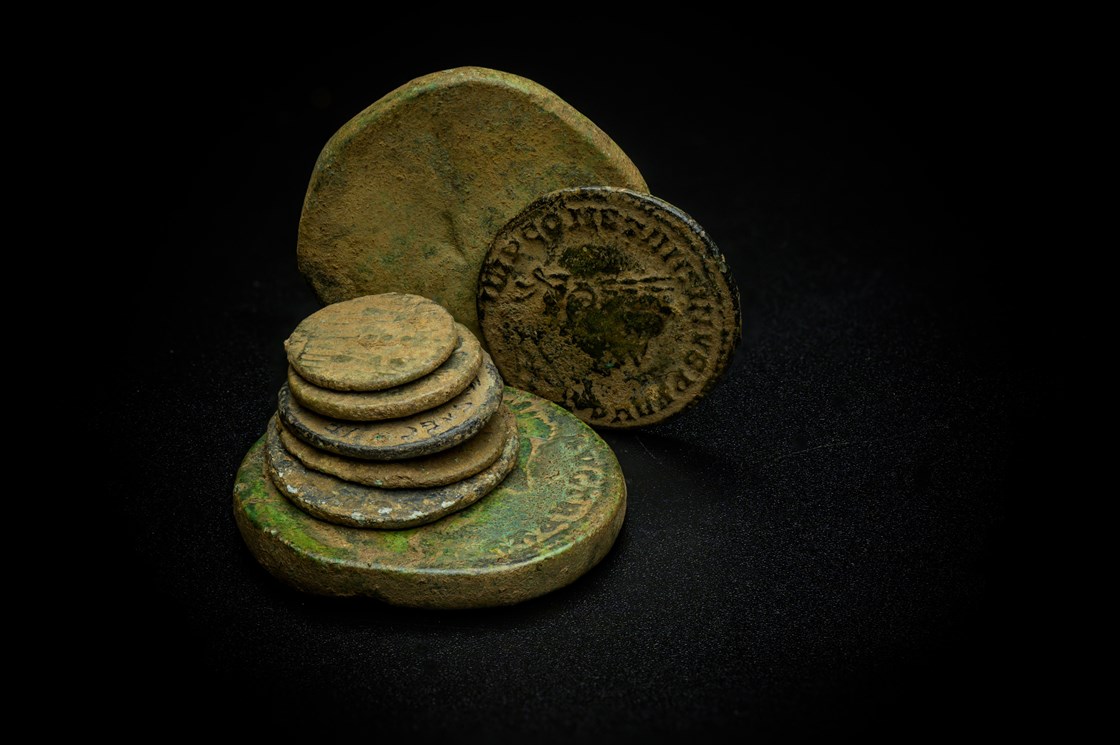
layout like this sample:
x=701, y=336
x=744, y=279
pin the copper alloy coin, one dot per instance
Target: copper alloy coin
x=445, y=467
x=357, y=505
x=612, y=303
x=428, y=432
x=372, y=342
x=435, y=388
x=553, y=518
x=407, y=195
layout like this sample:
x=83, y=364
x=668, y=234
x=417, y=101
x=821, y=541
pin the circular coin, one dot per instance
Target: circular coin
x=615, y=304
x=372, y=342
x=435, y=388
x=357, y=505
x=444, y=467
x=407, y=195
x=428, y=432
x=553, y=518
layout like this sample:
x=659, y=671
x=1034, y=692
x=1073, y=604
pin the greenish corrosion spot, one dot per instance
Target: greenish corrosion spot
x=588, y=260
x=618, y=329
x=396, y=541
x=530, y=427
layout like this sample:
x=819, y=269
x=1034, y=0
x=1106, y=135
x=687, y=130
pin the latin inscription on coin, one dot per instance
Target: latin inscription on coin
x=372, y=342
x=612, y=303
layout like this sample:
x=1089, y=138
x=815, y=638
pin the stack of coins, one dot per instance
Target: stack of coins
x=392, y=415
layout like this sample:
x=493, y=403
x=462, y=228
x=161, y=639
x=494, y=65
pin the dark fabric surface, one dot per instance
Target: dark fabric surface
x=826, y=547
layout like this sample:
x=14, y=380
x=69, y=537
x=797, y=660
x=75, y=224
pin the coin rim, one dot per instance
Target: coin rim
x=457, y=495
x=416, y=482
x=444, y=440
x=365, y=406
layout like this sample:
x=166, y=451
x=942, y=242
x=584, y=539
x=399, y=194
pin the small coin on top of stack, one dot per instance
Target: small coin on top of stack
x=391, y=415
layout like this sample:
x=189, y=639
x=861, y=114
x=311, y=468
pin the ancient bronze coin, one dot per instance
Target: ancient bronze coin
x=445, y=467
x=553, y=518
x=372, y=342
x=615, y=304
x=428, y=432
x=408, y=194
x=435, y=388
x=357, y=505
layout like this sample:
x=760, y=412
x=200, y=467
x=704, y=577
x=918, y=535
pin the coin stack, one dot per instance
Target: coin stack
x=392, y=415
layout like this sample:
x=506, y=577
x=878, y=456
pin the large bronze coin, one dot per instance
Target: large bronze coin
x=554, y=517
x=358, y=505
x=372, y=342
x=615, y=304
x=435, y=388
x=408, y=194
x=431, y=431
x=445, y=467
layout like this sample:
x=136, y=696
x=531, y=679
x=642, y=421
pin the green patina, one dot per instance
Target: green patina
x=589, y=260
x=395, y=541
x=618, y=329
x=530, y=426
x=564, y=502
x=261, y=506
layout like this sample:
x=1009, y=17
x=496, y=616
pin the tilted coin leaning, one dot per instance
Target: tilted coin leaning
x=612, y=303
x=407, y=195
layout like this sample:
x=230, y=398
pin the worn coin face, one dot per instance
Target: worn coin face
x=435, y=388
x=440, y=428
x=372, y=342
x=614, y=304
x=553, y=518
x=445, y=467
x=347, y=503
x=408, y=194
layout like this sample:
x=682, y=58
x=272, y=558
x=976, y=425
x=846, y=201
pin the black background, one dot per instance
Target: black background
x=828, y=546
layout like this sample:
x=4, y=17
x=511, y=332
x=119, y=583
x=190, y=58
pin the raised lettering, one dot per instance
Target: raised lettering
x=695, y=360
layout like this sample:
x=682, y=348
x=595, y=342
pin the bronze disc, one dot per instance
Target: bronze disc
x=553, y=518
x=407, y=195
x=435, y=388
x=357, y=505
x=372, y=342
x=614, y=304
x=445, y=467
x=425, y=433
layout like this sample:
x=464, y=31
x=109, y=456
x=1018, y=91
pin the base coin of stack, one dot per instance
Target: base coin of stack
x=399, y=466
x=392, y=415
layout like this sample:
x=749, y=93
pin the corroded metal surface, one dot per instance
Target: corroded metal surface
x=444, y=467
x=554, y=517
x=614, y=304
x=371, y=343
x=443, y=427
x=408, y=194
x=347, y=503
x=435, y=388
